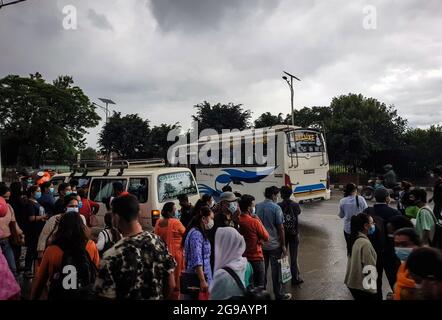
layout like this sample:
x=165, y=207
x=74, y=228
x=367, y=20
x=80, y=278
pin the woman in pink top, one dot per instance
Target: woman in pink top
x=9, y=288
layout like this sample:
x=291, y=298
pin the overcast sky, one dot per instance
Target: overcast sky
x=158, y=58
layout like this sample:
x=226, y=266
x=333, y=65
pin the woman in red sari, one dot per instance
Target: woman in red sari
x=171, y=230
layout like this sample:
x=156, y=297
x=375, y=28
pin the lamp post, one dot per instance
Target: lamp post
x=107, y=102
x=292, y=92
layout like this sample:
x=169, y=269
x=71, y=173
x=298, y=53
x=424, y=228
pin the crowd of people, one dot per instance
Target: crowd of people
x=209, y=250
x=404, y=242
x=216, y=250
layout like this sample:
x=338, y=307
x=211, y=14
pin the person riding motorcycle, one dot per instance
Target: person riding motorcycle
x=390, y=179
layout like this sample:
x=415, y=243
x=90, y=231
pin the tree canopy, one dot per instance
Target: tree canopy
x=124, y=135
x=40, y=120
x=221, y=116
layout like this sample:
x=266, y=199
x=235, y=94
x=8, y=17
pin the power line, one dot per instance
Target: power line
x=2, y=4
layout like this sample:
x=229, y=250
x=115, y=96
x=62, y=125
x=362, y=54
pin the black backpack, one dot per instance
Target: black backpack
x=437, y=239
x=86, y=273
x=109, y=243
x=249, y=293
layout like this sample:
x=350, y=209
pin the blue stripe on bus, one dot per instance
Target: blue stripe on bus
x=312, y=187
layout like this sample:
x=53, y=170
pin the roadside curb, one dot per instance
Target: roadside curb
x=341, y=187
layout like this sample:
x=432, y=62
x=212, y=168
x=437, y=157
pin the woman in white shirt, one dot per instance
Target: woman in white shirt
x=349, y=206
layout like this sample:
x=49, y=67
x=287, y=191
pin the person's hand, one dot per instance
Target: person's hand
x=204, y=287
x=284, y=251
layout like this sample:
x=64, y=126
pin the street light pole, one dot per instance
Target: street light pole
x=292, y=92
x=107, y=102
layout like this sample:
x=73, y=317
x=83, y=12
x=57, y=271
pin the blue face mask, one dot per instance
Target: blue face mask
x=51, y=190
x=80, y=204
x=233, y=207
x=372, y=230
x=253, y=211
x=68, y=193
x=37, y=195
x=403, y=253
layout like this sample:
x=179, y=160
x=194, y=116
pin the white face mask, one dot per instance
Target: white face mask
x=210, y=224
x=72, y=210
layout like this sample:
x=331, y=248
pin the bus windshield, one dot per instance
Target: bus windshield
x=302, y=141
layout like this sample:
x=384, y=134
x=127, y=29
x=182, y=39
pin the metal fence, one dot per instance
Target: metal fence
x=341, y=173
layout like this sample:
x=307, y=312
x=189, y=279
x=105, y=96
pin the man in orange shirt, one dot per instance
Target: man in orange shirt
x=255, y=234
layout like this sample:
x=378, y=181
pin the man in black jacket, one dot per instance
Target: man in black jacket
x=382, y=214
x=291, y=211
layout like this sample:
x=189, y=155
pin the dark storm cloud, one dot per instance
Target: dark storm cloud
x=204, y=15
x=161, y=59
x=99, y=20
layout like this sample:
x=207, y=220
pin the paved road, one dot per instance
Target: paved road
x=322, y=257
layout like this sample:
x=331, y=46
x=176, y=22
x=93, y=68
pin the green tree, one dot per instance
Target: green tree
x=221, y=116
x=156, y=144
x=267, y=119
x=424, y=146
x=361, y=127
x=124, y=135
x=40, y=121
x=313, y=117
x=89, y=154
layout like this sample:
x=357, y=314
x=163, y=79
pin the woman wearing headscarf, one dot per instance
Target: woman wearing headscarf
x=229, y=249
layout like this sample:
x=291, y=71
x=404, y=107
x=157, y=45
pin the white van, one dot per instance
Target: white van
x=149, y=180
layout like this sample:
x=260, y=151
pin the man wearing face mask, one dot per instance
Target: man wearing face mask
x=226, y=215
x=255, y=235
x=47, y=198
x=64, y=189
x=405, y=241
x=382, y=214
x=273, y=219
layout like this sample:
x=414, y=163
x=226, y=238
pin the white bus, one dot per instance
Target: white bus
x=300, y=161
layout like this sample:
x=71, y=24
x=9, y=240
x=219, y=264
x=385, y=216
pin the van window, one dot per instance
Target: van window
x=171, y=185
x=83, y=182
x=102, y=189
x=139, y=188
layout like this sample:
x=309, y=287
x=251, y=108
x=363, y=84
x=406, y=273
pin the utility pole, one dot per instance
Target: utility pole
x=292, y=92
x=107, y=102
